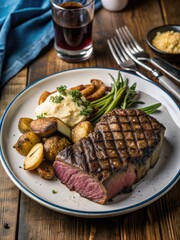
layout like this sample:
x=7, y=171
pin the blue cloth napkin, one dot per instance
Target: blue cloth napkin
x=25, y=29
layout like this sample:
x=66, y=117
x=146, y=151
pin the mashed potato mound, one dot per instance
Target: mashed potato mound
x=167, y=41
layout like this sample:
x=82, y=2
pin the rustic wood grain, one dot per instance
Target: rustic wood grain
x=9, y=193
x=48, y=224
x=170, y=14
x=168, y=210
x=29, y=220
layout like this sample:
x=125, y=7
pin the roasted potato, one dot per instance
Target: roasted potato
x=34, y=157
x=45, y=170
x=24, y=124
x=81, y=130
x=53, y=145
x=44, y=127
x=26, y=142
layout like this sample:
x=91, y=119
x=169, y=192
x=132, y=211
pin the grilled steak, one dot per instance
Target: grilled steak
x=125, y=144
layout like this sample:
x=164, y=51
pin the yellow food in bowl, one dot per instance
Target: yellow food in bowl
x=167, y=41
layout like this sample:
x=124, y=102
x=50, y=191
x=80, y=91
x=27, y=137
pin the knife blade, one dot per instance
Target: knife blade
x=163, y=80
x=164, y=66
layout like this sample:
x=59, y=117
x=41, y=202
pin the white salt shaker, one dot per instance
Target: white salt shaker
x=114, y=5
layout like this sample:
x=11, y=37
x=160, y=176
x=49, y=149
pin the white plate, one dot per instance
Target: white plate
x=155, y=184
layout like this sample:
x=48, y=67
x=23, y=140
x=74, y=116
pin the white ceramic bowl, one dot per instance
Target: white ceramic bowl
x=114, y=5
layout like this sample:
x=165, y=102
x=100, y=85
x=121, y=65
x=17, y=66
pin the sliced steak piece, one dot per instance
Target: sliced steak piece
x=125, y=144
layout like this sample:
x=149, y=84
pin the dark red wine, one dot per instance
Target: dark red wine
x=74, y=29
x=73, y=38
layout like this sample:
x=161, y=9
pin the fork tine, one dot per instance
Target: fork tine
x=124, y=42
x=115, y=44
x=136, y=44
x=117, y=51
x=110, y=43
x=128, y=41
x=132, y=54
x=122, y=53
x=121, y=57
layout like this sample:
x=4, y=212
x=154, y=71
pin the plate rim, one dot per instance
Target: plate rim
x=70, y=211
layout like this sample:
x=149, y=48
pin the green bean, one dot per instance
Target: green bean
x=116, y=100
x=121, y=96
x=101, y=111
x=151, y=109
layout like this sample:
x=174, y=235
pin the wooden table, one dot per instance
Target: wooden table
x=23, y=218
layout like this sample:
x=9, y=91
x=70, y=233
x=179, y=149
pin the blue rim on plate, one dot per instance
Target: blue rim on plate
x=66, y=210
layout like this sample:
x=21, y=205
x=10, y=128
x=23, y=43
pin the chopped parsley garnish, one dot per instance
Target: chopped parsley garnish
x=42, y=115
x=56, y=99
x=76, y=96
x=54, y=191
x=87, y=108
x=62, y=93
x=86, y=105
x=62, y=90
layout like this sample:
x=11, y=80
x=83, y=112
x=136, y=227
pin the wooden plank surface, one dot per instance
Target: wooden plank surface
x=170, y=14
x=27, y=219
x=9, y=193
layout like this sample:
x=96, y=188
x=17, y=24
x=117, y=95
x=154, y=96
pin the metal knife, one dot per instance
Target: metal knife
x=164, y=66
x=163, y=80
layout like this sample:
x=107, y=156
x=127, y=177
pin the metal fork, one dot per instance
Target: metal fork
x=122, y=58
x=164, y=66
x=130, y=49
